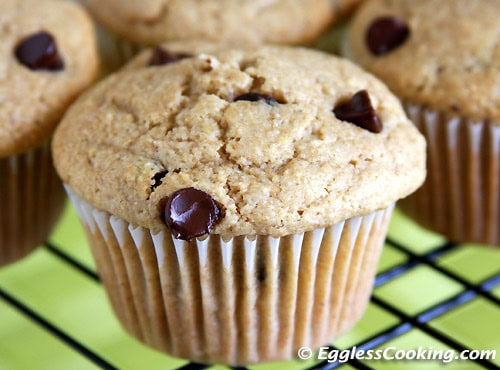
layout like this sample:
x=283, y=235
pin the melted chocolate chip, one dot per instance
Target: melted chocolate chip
x=386, y=34
x=39, y=52
x=359, y=110
x=190, y=213
x=157, y=179
x=256, y=97
x=162, y=57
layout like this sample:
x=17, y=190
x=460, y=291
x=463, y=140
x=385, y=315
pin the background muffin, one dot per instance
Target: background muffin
x=47, y=57
x=237, y=202
x=442, y=59
x=134, y=24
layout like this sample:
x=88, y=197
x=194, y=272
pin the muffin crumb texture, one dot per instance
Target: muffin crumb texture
x=277, y=162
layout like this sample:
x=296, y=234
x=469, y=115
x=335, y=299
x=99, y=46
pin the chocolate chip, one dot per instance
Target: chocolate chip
x=162, y=57
x=256, y=97
x=157, y=179
x=359, y=110
x=386, y=34
x=39, y=52
x=190, y=213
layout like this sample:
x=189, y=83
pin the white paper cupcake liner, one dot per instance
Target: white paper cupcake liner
x=31, y=200
x=239, y=300
x=461, y=196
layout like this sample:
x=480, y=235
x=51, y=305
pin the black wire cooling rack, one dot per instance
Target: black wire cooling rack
x=470, y=291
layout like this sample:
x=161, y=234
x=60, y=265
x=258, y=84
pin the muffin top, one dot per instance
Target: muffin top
x=441, y=54
x=274, y=141
x=170, y=52
x=47, y=56
x=151, y=22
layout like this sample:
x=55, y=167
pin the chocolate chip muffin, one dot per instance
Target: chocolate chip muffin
x=236, y=202
x=130, y=25
x=47, y=57
x=442, y=59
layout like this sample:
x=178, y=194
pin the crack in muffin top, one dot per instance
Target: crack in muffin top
x=276, y=162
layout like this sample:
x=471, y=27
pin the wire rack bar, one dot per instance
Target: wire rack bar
x=55, y=331
x=406, y=324
x=72, y=262
x=429, y=260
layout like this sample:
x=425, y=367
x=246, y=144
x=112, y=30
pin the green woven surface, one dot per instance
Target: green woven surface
x=77, y=305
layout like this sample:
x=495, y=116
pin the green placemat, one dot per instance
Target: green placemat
x=56, y=284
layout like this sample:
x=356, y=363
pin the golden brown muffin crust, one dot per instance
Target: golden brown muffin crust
x=274, y=169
